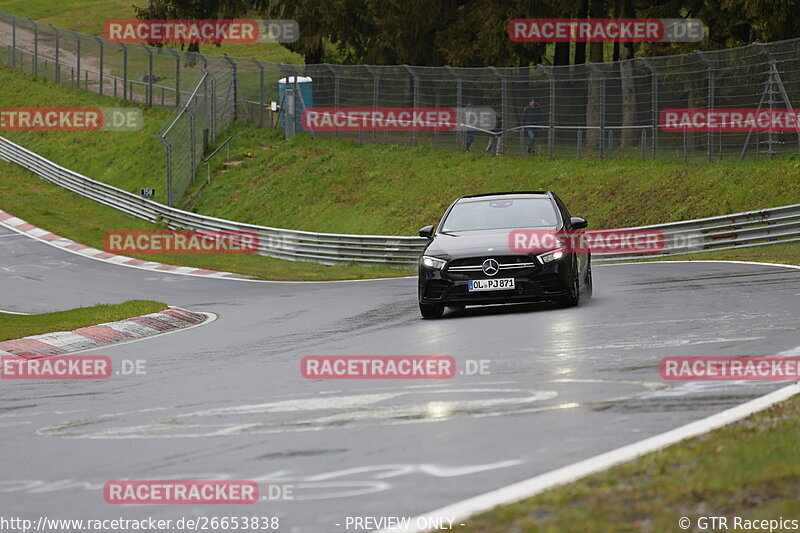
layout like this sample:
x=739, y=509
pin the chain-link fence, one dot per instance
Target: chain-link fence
x=591, y=110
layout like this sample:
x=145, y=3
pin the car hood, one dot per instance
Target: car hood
x=473, y=243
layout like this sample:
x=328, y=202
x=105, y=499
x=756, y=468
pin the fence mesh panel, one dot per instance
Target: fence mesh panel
x=590, y=110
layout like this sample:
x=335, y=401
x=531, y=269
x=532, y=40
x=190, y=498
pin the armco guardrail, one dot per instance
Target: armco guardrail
x=753, y=228
x=326, y=248
x=739, y=230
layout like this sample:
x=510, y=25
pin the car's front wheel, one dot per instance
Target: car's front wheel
x=587, y=293
x=431, y=311
x=573, y=296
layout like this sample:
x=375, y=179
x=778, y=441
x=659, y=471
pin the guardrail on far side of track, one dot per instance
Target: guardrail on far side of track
x=751, y=228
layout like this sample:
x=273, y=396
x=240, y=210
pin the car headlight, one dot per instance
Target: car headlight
x=433, y=262
x=549, y=257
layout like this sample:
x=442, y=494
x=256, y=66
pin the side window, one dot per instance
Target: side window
x=561, y=207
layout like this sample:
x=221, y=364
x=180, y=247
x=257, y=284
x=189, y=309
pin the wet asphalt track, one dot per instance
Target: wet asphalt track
x=227, y=401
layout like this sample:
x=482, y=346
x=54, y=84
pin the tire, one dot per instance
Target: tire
x=431, y=311
x=573, y=297
x=588, y=292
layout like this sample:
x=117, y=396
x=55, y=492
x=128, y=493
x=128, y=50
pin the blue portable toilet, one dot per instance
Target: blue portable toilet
x=305, y=98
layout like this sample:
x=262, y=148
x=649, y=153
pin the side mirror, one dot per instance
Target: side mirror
x=426, y=232
x=578, y=223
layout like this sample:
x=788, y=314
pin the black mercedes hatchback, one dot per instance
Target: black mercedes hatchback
x=470, y=259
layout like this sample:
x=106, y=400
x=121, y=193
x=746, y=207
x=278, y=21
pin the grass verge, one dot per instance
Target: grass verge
x=18, y=326
x=398, y=189
x=750, y=469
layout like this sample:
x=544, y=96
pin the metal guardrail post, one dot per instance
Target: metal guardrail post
x=596, y=68
x=57, y=64
x=149, y=75
x=124, y=71
x=260, y=91
x=412, y=135
x=35, y=68
x=653, y=104
x=177, y=57
x=169, y=168
x=551, y=112
x=336, y=101
x=234, y=82
x=213, y=107
x=13, y=41
x=375, y=82
x=710, y=101
x=193, y=142
x=77, y=57
x=460, y=141
x=685, y=144
x=102, y=48
x=501, y=142
x=610, y=143
x=643, y=144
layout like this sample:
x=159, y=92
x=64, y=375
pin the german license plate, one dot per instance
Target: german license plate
x=500, y=284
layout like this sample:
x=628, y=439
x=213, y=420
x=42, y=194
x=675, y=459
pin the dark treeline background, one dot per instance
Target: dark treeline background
x=472, y=33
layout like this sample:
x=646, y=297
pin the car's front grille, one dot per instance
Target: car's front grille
x=505, y=262
x=478, y=261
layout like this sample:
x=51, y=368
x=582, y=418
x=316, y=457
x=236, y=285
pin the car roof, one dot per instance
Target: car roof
x=545, y=194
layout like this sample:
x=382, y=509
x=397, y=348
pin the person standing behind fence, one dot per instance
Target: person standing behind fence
x=531, y=116
x=495, y=135
x=469, y=122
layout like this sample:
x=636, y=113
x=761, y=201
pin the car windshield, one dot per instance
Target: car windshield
x=501, y=214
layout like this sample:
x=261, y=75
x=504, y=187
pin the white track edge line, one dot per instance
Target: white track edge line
x=462, y=510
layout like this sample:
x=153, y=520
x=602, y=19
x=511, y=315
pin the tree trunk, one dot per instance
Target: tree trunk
x=596, y=10
x=580, y=47
x=627, y=83
x=561, y=55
